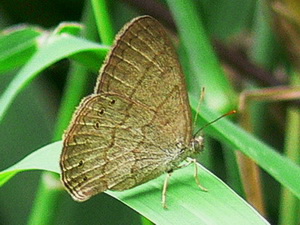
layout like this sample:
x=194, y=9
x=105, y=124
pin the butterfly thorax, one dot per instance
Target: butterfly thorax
x=183, y=151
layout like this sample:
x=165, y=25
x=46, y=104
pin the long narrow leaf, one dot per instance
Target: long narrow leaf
x=17, y=46
x=187, y=203
x=59, y=47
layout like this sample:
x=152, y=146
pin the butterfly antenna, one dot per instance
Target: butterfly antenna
x=215, y=120
x=201, y=99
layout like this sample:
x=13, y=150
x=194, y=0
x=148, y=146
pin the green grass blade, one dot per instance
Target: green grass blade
x=206, y=69
x=59, y=47
x=17, y=46
x=280, y=167
x=187, y=203
x=103, y=21
x=46, y=158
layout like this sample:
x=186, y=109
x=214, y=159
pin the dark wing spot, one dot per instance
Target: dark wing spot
x=97, y=125
x=80, y=163
x=101, y=112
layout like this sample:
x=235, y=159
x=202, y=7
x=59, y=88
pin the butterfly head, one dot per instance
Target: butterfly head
x=197, y=144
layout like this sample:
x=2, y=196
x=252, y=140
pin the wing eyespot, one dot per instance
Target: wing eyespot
x=80, y=164
x=101, y=112
x=97, y=125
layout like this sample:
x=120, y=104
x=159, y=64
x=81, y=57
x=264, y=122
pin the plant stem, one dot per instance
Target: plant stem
x=260, y=54
x=290, y=205
x=103, y=21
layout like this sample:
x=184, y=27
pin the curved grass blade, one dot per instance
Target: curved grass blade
x=59, y=47
x=187, y=203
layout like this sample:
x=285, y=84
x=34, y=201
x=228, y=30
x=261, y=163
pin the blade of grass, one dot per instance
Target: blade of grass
x=17, y=46
x=47, y=198
x=187, y=203
x=59, y=47
x=103, y=21
x=262, y=52
x=289, y=206
x=203, y=61
x=289, y=211
x=46, y=158
x=280, y=167
x=265, y=46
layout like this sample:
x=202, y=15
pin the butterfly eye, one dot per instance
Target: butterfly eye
x=112, y=101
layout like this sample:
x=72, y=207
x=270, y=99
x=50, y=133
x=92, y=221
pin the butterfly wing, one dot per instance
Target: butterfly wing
x=126, y=133
x=143, y=66
x=115, y=143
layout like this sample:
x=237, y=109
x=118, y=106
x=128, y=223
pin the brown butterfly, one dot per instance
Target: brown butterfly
x=137, y=124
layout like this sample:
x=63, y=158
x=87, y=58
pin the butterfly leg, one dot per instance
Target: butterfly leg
x=196, y=175
x=190, y=161
x=164, y=192
x=184, y=165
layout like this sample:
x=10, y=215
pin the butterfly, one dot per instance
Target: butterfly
x=137, y=124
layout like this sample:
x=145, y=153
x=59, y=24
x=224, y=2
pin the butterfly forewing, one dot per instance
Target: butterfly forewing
x=142, y=63
x=126, y=132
